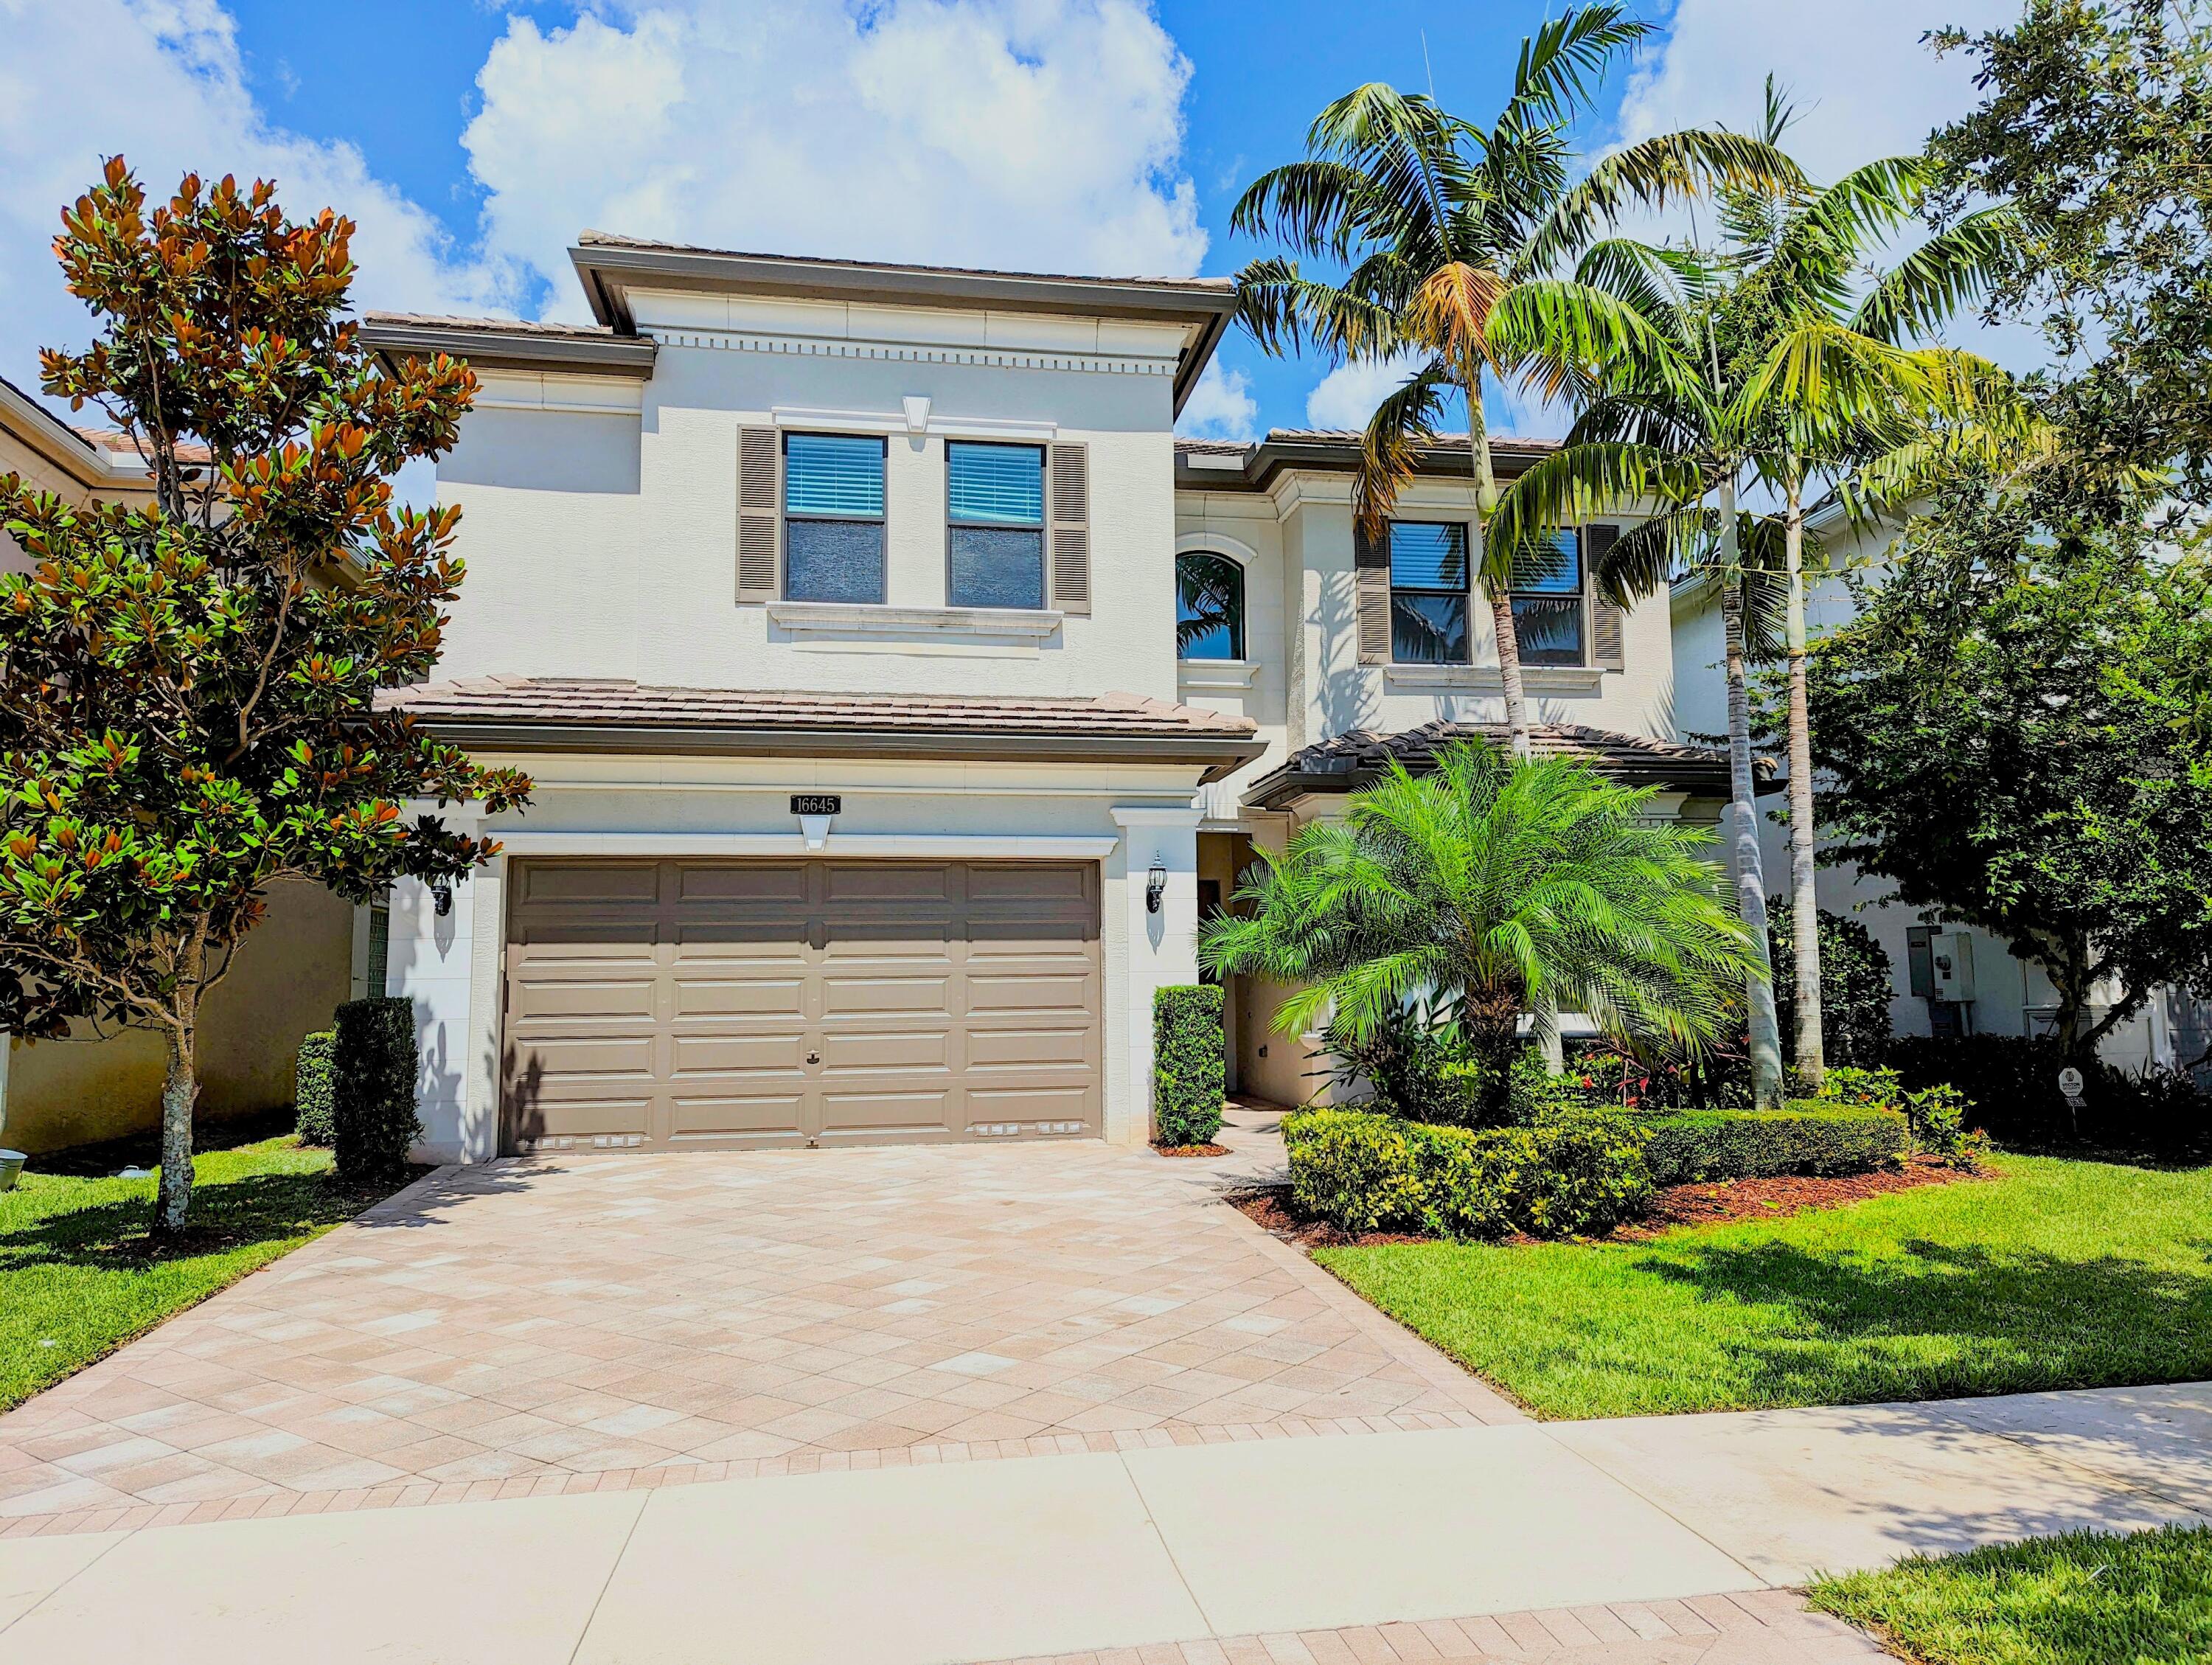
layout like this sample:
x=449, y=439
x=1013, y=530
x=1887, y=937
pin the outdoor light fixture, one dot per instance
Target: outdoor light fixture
x=441, y=895
x=1156, y=885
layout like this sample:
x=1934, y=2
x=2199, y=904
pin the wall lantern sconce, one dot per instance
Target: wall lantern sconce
x=1156, y=885
x=441, y=895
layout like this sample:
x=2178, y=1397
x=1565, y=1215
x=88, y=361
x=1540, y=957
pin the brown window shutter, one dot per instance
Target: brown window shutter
x=1607, y=651
x=757, y=468
x=1070, y=468
x=1370, y=569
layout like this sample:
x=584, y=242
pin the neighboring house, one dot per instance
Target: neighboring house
x=287, y=974
x=833, y=607
x=1948, y=978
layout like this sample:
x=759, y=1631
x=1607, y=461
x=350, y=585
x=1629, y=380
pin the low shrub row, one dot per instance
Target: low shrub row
x=1807, y=1136
x=1567, y=1175
x=2010, y=1088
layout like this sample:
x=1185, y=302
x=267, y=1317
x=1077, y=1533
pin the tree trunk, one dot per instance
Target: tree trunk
x=1750, y=879
x=1497, y=585
x=1509, y=672
x=1810, y=1044
x=180, y=1087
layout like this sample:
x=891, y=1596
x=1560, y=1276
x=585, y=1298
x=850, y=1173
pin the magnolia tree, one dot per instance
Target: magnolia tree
x=187, y=689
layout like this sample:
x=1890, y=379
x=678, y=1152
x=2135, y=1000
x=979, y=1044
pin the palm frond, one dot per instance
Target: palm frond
x=1389, y=449
x=1954, y=268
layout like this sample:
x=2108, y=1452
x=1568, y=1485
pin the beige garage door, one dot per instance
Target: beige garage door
x=680, y=1005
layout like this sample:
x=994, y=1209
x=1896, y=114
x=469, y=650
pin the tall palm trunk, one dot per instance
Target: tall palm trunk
x=1496, y=587
x=1808, y=1043
x=1743, y=832
x=1499, y=589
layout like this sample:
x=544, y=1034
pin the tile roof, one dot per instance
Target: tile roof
x=106, y=439
x=549, y=711
x=615, y=240
x=1353, y=760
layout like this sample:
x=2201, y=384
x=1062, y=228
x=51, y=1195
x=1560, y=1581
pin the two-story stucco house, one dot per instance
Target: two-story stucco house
x=834, y=608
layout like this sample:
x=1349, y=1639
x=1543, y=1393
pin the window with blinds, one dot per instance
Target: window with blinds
x=833, y=517
x=994, y=522
x=1547, y=604
x=1428, y=593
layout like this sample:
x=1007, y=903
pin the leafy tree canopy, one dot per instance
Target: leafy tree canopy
x=187, y=689
x=2017, y=730
x=2096, y=122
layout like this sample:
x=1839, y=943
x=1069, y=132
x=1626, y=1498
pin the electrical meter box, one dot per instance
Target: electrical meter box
x=1952, y=955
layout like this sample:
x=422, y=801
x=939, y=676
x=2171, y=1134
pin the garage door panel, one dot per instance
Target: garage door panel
x=766, y=1118
x=757, y=998
x=772, y=1051
x=795, y=1002
x=1028, y=1048
x=856, y=1117
x=1025, y=997
x=781, y=886
x=627, y=884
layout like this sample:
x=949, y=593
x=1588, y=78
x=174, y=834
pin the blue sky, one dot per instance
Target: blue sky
x=471, y=140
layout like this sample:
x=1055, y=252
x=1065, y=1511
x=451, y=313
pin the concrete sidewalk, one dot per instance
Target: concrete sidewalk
x=1632, y=1540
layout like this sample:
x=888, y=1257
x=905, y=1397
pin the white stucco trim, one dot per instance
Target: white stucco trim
x=908, y=352
x=1215, y=543
x=1215, y=673
x=1485, y=679
x=897, y=422
x=926, y=624
x=932, y=846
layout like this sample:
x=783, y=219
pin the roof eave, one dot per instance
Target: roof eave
x=492, y=350
x=1219, y=754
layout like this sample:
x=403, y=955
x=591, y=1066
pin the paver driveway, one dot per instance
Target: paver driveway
x=574, y=1325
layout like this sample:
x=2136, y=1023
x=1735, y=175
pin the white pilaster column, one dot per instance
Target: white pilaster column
x=1163, y=945
x=432, y=961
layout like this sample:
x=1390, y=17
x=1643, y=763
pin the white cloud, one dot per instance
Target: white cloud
x=1864, y=84
x=1221, y=406
x=1347, y=395
x=1039, y=134
x=162, y=81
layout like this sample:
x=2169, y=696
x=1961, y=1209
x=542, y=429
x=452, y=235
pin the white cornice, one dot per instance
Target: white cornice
x=910, y=352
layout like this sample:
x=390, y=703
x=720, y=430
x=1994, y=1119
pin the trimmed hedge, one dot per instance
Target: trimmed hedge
x=373, y=1103
x=1570, y=1175
x=311, y=1077
x=1805, y=1137
x=1189, y=1064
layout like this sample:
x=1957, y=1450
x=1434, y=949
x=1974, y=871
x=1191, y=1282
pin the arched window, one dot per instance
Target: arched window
x=1209, y=607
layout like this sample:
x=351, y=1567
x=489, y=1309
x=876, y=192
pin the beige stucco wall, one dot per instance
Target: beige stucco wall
x=602, y=541
x=289, y=976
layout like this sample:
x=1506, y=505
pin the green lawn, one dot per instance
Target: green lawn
x=75, y=1277
x=2053, y=1274
x=2085, y=1599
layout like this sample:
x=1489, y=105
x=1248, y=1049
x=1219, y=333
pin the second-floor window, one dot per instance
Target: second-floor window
x=1547, y=606
x=833, y=517
x=1209, y=607
x=1428, y=593
x=995, y=516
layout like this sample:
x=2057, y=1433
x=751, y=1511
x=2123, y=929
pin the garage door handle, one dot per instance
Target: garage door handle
x=813, y=1057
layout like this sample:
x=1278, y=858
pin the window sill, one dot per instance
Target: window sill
x=1216, y=673
x=1484, y=679
x=804, y=618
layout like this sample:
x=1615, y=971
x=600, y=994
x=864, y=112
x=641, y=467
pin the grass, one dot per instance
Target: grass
x=2052, y=1274
x=77, y=1277
x=2084, y=1599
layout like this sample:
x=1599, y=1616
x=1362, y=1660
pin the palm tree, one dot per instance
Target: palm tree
x=1778, y=369
x=1495, y=886
x=1450, y=238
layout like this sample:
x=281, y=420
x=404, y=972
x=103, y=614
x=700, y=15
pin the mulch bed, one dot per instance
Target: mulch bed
x=1711, y=1204
x=1192, y=1150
